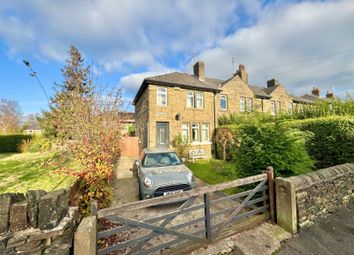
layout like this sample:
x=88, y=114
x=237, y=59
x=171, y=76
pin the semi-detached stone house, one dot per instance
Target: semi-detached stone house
x=180, y=103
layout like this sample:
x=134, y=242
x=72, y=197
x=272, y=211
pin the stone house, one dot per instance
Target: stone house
x=190, y=105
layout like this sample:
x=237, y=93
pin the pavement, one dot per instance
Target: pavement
x=333, y=235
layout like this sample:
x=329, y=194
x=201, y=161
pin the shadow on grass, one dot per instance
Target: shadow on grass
x=21, y=172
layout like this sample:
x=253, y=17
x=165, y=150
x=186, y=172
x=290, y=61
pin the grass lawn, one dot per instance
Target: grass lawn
x=214, y=171
x=20, y=172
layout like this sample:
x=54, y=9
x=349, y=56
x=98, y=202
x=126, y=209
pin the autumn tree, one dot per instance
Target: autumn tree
x=225, y=138
x=10, y=116
x=87, y=126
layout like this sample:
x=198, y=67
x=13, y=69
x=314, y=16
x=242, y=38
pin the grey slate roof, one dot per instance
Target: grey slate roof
x=186, y=80
x=301, y=99
x=259, y=91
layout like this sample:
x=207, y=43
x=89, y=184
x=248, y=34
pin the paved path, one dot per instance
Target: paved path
x=333, y=235
x=125, y=185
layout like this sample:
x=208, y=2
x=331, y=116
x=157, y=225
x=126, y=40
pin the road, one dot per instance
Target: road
x=333, y=235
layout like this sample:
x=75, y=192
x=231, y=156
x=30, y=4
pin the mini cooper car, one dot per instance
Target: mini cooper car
x=161, y=172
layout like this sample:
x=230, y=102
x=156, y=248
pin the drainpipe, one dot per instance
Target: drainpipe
x=214, y=104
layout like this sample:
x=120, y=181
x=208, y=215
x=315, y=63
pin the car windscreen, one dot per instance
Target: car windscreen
x=161, y=159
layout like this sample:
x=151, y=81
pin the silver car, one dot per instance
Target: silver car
x=161, y=172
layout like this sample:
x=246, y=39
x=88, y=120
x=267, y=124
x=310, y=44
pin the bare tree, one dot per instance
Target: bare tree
x=10, y=115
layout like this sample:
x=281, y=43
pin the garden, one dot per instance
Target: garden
x=318, y=136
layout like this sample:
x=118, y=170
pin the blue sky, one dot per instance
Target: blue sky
x=300, y=43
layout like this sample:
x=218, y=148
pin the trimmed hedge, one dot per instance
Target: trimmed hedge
x=332, y=142
x=11, y=143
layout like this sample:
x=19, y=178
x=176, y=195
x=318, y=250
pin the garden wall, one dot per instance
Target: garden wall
x=303, y=199
x=37, y=222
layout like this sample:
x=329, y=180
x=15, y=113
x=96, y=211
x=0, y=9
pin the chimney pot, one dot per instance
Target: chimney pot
x=272, y=83
x=315, y=91
x=198, y=69
x=329, y=94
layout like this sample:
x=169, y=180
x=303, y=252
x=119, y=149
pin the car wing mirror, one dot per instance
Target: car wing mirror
x=137, y=163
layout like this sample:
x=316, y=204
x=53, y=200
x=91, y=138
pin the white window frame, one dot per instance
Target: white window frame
x=272, y=107
x=223, y=97
x=205, y=127
x=199, y=96
x=197, y=127
x=277, y=107
x=242, y=104
x=249, y=104
x=290, y=108
x=161, y=92
x=186, y=128
x=190, y=95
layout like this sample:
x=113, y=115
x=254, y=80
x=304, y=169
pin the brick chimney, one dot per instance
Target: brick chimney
x=329, y=94
x=242, y=73
x=315, y=91
x=272, y=83
x=198, y=69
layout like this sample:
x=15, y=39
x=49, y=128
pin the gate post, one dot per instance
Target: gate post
x=207, y=216
x=271, y=186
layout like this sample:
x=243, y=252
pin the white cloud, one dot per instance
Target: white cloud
x=121, y=34
x=315, y=37
x=131, y=83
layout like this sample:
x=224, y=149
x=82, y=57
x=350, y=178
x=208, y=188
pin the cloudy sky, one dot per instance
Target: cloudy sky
x=300, y=43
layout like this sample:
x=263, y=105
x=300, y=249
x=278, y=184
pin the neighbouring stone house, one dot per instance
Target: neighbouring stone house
x=190, y=104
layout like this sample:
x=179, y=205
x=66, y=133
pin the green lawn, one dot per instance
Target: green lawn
x=214, y=171
x=20, y=172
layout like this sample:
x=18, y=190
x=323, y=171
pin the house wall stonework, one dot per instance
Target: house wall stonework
x=177, y=104
x=142, y=119
x=281, y=95
x=234, y=89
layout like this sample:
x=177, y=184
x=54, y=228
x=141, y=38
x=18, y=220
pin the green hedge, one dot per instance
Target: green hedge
x=11, y=143
x=332, y=142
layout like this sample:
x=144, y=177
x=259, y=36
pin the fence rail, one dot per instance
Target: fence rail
x=203, y=216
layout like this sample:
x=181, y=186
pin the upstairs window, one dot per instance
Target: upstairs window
x=223, y=102
x=249, y=104
x=199, y=99
x=242, y=104
x=162, y=96
x=190, y=99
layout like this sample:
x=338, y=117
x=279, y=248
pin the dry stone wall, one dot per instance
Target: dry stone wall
x=37, y=223
x=302, y=200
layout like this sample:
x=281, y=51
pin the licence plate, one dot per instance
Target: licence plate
x=172, y=192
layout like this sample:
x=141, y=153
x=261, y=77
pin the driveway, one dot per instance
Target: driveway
x=333, y=235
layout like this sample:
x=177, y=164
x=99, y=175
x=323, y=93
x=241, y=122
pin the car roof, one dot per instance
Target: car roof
x=157, y=150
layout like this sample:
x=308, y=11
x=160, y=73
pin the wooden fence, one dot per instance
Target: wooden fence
x=205, y=214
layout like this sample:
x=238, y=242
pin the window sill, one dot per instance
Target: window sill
x=200, y=143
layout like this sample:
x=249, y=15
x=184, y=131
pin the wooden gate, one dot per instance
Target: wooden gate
x=205, y=214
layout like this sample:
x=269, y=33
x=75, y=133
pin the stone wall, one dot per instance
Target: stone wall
x=37, y=222
x=307, y=198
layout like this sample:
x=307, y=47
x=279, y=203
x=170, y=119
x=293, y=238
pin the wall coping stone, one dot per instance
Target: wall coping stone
x=305, y=181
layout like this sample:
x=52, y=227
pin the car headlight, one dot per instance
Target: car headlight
x=190, y=177
x=147, y=182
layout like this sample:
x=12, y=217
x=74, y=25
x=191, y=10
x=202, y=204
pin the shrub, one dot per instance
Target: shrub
x=275, y=145
x=11, y=143
x=332, y=142
x=181, y=146
x=38, y=143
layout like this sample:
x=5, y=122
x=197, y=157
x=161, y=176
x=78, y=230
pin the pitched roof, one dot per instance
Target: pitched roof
x=259, y=92
x=186, y=80
x=301, y=99
x=269, y=90
x=180, y=79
